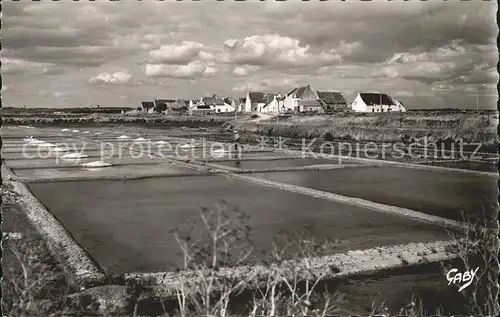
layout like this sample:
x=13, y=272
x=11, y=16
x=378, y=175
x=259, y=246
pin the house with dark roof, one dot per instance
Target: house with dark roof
x=216, y=103
x=312, y=106
x=376, y=102
x=332, y=101
x=400, y=105
x=273, y=104
x=240, y=105
x=192, y=103
x=179, y=106
x=162, y=105
x=201, y=110
x=254, y=101
x=170, y=106
x=147, y=106
x=294, y=99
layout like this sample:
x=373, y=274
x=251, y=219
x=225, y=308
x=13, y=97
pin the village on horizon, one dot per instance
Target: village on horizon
x=302, y=99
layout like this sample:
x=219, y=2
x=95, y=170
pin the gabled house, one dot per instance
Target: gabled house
x=211, y=101
x=315, y=106
x=294, y=99
x=147, y=106
x=196, y=107
x=332, y=101
x=162, y=105
x=193, y=103
x=254, y=101
x=216, y=103
x=179, y=106
x=273, y=105
x=400, y=105
x=225, y=107
x=235, y=105
x=376, y=102
x=241, y=104
x=201, y=110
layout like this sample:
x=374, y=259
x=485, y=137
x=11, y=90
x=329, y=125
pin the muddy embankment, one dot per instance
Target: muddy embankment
x=100, y=119
x=405, y=127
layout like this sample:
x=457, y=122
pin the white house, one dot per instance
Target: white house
x=200, y=110
x=333, y=101
x=376, y=102
x=312, y=106
x=240, y=104
x=147, y=106
x=400, y=105
x=273, y=105
x=163, y=105
x=225, y=107
x=217, y=104
x=235, y=105
x=293, y=99
x=254, y=101
x=192, y=103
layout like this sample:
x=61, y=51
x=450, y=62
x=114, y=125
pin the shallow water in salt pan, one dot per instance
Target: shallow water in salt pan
x=134, y=218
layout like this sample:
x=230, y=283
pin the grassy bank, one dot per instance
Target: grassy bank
x=404, y=127
x=34, y=285
x=413, y=291
x=76, y=110
x=140, y=119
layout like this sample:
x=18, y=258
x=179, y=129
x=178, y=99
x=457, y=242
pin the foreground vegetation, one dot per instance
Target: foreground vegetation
x=443, y=125
x=99, y=119
x=34, y=285
x=393, y=127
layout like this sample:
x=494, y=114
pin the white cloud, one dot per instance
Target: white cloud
x=274, y=85
x=230, y=42
x=446, y=52
x=240, y=71
x=191, y=70
x=348, y=48
x=20, y=66
x=53, y=70
x=275, y=51
x=176, y=53
x=115, y=78
x=151, y=41
x=206, y=56
x=46, y=39
x=210, y=71
x=59, y=94
x=248, y=87
x=429, y=71
x=442, y=87
x=453, y=61
x=404, y=93
x=469, y=89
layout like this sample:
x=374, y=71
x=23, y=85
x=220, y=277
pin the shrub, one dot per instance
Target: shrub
x=328, y=136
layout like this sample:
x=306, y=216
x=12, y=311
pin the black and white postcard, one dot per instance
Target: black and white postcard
x=249, y=158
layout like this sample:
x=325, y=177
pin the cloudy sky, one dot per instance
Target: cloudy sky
x=434, y=54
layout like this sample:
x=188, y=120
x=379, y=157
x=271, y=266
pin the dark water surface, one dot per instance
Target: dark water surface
x=125, y=225
x=440, y=193
x=260, y=164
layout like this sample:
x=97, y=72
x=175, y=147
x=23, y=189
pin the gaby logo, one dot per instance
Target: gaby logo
x=455, y=277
